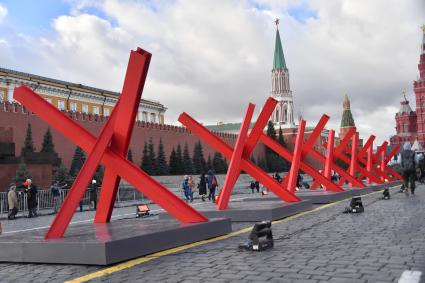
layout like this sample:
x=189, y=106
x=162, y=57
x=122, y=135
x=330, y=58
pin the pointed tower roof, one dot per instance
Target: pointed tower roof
x=279, y=58
x=347, y=120
x=404, y=105
x=423, y=39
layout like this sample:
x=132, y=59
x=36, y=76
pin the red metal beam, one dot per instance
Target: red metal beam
x=246, y=165
x=353, y=160
x=64, y=216
x=111, y=159
x=293, y=172
x=235, y=161
x=258, y=128
x=369, y=162
x=134, y=82
x=310, y=170
x=329, y=156
x=308, y=145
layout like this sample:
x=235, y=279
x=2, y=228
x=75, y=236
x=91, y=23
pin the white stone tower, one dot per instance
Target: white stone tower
x=283, y=115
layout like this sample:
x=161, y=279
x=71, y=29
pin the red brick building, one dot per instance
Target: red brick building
x=410, y=125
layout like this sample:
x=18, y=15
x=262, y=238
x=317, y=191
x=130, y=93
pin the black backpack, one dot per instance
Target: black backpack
x=408, y=160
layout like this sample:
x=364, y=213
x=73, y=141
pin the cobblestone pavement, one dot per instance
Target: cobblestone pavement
x=322, y=246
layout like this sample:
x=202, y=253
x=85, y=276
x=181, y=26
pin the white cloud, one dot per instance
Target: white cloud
x=211, y=59
x=3, y=12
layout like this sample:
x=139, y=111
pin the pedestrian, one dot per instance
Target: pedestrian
x=212, y=185
x=252, y=186
x=277, y=177
x=186, y=188
x=31, y=191
x=93, y=193
x=257, y=186
x=191, y=184
x=202, y=186
x=55, y=190
x=408, y=166
x=12, y=200
x=299, y=180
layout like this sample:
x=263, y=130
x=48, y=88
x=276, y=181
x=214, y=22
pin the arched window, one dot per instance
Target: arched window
x=285, y=113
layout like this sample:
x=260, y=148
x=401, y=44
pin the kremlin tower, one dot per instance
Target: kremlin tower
x=283, y=115
x=347, y=121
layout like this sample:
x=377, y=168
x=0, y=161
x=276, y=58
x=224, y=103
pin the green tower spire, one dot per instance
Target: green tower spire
x=279, y=58
x=347, y=120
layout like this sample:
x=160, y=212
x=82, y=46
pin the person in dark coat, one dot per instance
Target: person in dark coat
x=252, y=186
x=202, y=186
x=299, y=181
x=408, y=166
x=93, y=193
x=212, y=185
x=31, y=191
x=257, y=186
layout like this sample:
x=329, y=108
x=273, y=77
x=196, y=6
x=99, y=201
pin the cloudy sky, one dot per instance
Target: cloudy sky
x=210, y=58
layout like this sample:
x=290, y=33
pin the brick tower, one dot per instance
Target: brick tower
x=419, y=89
x=283, y=115
x=347, y=121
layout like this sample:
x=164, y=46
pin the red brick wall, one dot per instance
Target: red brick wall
x=6, y=134
x=12, y=115
x=41, y=174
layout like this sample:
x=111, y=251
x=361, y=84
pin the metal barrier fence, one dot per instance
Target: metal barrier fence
x=125, y=194
x=45, y=199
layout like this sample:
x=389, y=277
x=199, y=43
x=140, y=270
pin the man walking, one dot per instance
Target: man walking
x=408, y=166
x=55, y=189
x=31, y=191
x=93, y=193
x=212, y=185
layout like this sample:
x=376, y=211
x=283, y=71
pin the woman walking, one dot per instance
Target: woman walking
x=12, y=200
x=191, y=184
x=202, y=186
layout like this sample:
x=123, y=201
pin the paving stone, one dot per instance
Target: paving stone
x=376, y=246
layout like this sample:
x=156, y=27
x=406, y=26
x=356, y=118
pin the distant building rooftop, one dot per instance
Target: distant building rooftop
x=67, y=85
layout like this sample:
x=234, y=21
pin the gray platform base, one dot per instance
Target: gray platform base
x=254, y=211
x=105, y=244
x=315, y=197
x=325, y=197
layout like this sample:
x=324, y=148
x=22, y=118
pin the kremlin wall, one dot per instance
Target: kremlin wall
x=13, y=115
